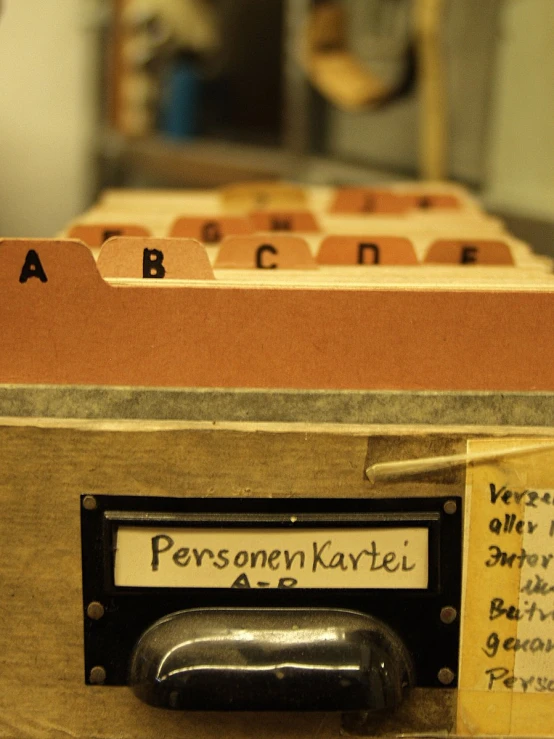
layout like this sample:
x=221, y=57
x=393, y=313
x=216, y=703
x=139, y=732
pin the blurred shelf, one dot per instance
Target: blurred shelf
x=203, y=163
x=209, y=163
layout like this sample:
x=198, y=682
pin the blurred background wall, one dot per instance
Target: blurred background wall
x=520, y=142
x=48, y=93
x=54, y=88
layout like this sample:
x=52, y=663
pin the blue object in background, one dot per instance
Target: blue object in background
x=180, y=99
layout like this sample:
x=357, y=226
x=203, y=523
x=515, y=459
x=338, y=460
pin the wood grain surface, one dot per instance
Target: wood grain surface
x=45, y=470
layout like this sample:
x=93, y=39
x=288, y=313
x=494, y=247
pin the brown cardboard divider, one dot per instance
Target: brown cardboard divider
x=176, y=259
x=210, y=229
x=40, y=265
x=367, y=200
x=366, y=250
x=370, y=200
x=431, y=201
x=472, y=251
x=265, y=251
x=284, y=220
x=94, y=234
x=74, y=328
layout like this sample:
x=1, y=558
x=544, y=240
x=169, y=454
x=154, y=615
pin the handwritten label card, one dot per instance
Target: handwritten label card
x=272, y=558
x=506, y=681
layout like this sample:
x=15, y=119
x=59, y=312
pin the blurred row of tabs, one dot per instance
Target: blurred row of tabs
x=179, y=258
x=396, y=198
x=284, y=226
x=209, y=229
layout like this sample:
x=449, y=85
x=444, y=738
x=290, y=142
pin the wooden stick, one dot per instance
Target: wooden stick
x=407, y=467
x=433, y=133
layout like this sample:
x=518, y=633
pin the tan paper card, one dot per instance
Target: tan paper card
x=272, y=251
x=367, y=200
x=293, y=220
x=176, y=259
x=481, y=251
x=371, y=200
x=263, y=195
x=506, y=684
x=272, y=558
x=94, y=234
x=430, y=201
x=369, y=250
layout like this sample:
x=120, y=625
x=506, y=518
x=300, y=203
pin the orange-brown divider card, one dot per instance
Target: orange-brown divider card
x=210, y=230
x=61, y=323
x=269, y=251
x=369, y=250
x=292, y=220
x=174, y=259
x=263, y=195
x=370, y=200
x=94, y=234
x=469, y=252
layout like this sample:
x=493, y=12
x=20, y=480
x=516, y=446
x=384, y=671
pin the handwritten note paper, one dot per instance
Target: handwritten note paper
x=506, y=684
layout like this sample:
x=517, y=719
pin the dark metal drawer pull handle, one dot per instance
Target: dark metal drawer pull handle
x=271, y=659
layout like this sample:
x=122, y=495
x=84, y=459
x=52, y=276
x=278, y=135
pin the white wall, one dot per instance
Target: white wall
x=521, y=136
x=47, y=103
